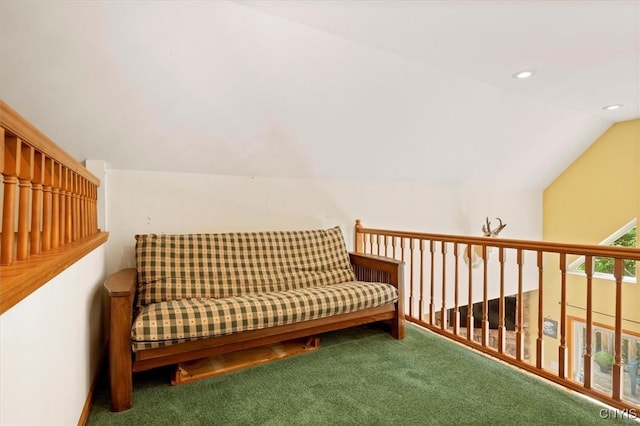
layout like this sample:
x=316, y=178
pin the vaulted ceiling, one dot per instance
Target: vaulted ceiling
x=397, y=91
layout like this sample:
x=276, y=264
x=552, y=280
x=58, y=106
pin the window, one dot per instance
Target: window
x=603, y=266
x=602, y=354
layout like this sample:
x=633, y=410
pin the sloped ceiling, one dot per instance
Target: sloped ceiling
x=417, y=92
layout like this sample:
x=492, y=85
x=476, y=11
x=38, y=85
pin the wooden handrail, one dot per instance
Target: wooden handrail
x=15, y=124
x=49, y=208
x=434, y=261
x=544, y=246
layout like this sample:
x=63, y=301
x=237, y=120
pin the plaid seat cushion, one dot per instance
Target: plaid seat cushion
x=177, y=321
x=175, y=267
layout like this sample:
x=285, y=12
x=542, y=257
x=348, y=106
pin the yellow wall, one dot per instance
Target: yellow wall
x=594, y=197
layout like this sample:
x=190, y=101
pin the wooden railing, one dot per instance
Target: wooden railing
x=49, y=209
x=440, y=282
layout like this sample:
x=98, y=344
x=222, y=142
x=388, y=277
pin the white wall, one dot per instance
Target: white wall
x=50, y=347
x=161, y=202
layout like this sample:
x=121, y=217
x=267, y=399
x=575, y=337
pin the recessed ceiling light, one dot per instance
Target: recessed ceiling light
x=612, y=107
x=523, y=74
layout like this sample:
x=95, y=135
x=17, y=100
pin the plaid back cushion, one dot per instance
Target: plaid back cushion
x=174, y=267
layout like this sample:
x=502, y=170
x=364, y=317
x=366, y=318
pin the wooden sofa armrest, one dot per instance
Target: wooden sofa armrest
x=372, y=268
x=369, y=267
x=121, y=288
x=122, y=283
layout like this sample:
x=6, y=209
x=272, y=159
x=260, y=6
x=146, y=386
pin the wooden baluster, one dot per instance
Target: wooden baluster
x=485, y=298
x=36, y=202
x=94, y=214
x=10, y=169
x=404, y=269
x=72, y=205
x=588, y=269
x=432, y=311
x=47, y=198
x=80, y=200
x=76, y=207
x=443, y=310
x=456, y=308
x=562, y=348
x=94, y=209
x=79, y=206
x=55, y=206
x=386, y=247
x=421, y=283
x=63, y=205
x=539, y=340
x=68, y=214
x=83, y=207
x=87, y=208
x=358, y=240
x=393, y=247
x=79, y=217
x=520, y=306
x=470, y=298
x=617, y=344
x=411, y=298
x=378, y=244
x=25, y=174
x=501, y=324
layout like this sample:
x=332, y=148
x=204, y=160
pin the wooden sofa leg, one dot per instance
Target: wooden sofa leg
x=121, y=384
x=397, y=326
x=120, y=372
x=397, y=323
x=397, y=329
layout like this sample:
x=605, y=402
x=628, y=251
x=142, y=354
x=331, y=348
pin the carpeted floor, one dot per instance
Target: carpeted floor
x=360, y=376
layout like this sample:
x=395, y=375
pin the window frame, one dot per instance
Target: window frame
x=572, y=267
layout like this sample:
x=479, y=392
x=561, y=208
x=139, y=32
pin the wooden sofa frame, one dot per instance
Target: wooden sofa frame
x=121, y=288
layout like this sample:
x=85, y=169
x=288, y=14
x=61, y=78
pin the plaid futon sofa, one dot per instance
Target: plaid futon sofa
x=199, y=295
x=199, y=286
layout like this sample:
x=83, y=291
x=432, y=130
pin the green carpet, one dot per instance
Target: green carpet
x=360, y=376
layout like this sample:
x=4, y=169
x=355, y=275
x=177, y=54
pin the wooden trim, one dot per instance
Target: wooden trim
x=88, y=402
x=16, y=124
x=23, y=278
